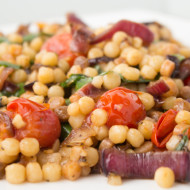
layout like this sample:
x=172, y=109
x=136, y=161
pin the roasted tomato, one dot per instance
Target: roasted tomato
x=164, y=128
x=41, y=122
x=123, y=107
x=60, y=44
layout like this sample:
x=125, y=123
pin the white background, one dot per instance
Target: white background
x=29, y=10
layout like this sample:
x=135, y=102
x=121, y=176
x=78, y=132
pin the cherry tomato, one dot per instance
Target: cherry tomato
x=164, y=128
x=60, y=44
x=41, y=122
x=123, y=107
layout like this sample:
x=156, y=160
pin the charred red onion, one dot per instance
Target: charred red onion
x=174, y=59
x=91, y=91
x=29, y=86
x=144, y=165
x=4, y=75
x=73, y=19
x=5, y=125
x=185, y=69
x=80, y=41
x=10, y=87
x=131, y=28
x=2, y=170
x=79, y=135
x=157, y=88
x=103, y=59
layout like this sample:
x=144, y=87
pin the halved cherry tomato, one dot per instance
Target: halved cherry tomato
x=164, y=128
x=60, y=44
x=41, y=122
x=123, y=107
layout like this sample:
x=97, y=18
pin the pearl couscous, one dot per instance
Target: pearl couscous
x=73, y=99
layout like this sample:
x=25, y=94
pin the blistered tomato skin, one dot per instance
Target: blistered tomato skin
x=123, y=107
x=60, y=44
x=41, y=122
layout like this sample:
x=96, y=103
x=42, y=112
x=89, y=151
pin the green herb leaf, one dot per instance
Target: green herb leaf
x=67, y=101
x=30, y=37
x=21, y=90
x=65, y=131
x=7, y=64
x=97, y=67
x=179, y=56
x=3, y=39
x=46, y=34
x=105, y=73
x=80, y=83
x=72, y=80
x=182, y=143
x=18, y=93
x=5, y=93
x=141, y=80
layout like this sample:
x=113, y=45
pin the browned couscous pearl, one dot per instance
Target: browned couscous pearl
x=34, y=172
x=45, y=75
x=36, y=44
x=111, y=80
x=95, y=52
x=4, y=158
x=29, y=146
x=135, y=138
x=173, y=142
x=86, y=104
x=15, y=173
x=55, y=91
x=71, y=171
x=10, y=146
x=118, y=37
x=118, y=133
x=51, y=171
x=99, y=117
x=19, y=76
x=164, y=177
x=111, y=49
x=146, y=128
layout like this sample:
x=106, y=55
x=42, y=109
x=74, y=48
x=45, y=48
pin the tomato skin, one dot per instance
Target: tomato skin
x=163, y=129
x=60, y=44
x=41, y=122
x=123, y=107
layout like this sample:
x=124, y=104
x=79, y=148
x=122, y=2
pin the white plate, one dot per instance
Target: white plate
x=181, y=30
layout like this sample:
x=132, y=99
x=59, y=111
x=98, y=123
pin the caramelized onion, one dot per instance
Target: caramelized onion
x=4, y=75
x=144, y=165
x=73, y=19
x=185, y=69
x=131, y=28
x=157, y=88
x=6, y=127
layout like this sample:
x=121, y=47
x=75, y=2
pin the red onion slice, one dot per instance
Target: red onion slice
x=4, y=75
x=157, y=88
x=184, y=69
x=73, y=19
x=144, y=165
x=131, y=28
x=80, y=40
